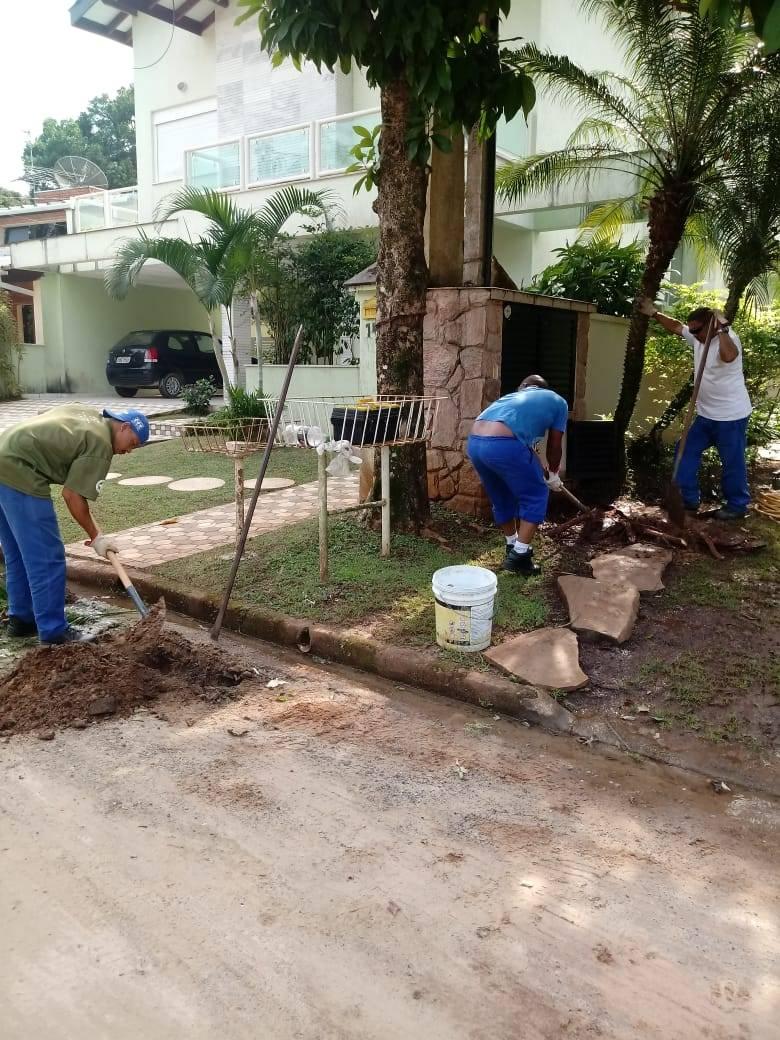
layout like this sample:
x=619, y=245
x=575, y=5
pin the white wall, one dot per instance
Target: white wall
x=189, y=60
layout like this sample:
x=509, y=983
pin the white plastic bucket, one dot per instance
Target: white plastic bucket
x=465, y=599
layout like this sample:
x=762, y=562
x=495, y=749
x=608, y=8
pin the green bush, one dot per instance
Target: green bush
x=603, y=273
x=10, y=352
x=198, y=396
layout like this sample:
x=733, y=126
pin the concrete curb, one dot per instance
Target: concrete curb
x=482, y=689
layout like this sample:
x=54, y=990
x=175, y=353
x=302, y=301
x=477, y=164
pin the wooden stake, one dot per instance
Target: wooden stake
x=239, y=474
x=322, y=495
x=384, y=457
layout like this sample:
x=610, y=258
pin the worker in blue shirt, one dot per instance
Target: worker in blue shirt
x=501, y=449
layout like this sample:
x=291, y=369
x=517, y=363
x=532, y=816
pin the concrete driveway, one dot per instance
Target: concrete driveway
x=359, y=861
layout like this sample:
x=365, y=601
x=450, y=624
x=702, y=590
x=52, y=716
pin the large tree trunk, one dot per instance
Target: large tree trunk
x=668, y=212
x=218, y=356
x=737, y=288
x=402, y=280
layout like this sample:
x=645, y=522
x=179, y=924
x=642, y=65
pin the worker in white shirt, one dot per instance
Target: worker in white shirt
x=722, y=409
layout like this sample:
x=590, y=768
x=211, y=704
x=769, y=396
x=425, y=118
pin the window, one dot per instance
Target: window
x=179, y=343
x=217, y=166
x=205, y=344
x=281, y=156
x=28, y=323
x=17, y=234
x=337, y=137
x=176, y=132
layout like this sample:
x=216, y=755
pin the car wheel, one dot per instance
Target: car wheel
x=171, y=385
x=126, y=391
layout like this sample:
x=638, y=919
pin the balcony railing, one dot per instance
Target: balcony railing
x=305, y=151
x=106, y=209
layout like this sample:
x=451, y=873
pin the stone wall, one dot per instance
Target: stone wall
x=462, y=357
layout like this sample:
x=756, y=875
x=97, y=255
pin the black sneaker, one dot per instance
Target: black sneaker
x=19, y=629
x=509, y=547
x=521, y=563
x=70, y=635
x=724, y=513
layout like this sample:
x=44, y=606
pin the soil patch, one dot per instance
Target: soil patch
x=80, y=683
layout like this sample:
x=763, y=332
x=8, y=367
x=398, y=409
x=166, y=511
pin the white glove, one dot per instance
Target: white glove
x=103, y=545
x=553, y=481
x=645, y=306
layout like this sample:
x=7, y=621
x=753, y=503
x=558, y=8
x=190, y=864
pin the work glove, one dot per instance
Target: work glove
x=553, y=481
x=103, y=545
x=645, y=306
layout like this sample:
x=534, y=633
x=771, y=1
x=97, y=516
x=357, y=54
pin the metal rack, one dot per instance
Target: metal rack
x=339, y=425
x=236, y=440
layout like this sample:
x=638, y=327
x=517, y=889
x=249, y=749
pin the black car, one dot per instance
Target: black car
x=168, y=359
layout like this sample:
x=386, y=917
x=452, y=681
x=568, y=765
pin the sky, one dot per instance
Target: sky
x=48, y=68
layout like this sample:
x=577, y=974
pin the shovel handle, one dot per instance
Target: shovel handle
x=573, y=498
x=128, y=586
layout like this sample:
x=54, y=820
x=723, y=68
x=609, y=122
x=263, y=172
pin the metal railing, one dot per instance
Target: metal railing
x=358, y=421
x=106, y=209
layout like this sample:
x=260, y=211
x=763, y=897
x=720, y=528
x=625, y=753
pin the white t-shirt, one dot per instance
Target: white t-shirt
x=722, y=394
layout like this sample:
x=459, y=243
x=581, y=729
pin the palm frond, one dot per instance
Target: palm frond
x=575, y=166
x=215, y=206
x=602, y=133
x=177, y=254
x=605, y=222
x=292, y=201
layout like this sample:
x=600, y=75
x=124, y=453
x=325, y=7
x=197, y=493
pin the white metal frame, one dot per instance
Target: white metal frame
x=106, y=196
x=308, y=176
x=218, y=144
x=320, y=173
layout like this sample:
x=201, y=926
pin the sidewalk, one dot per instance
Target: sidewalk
x=193, y=533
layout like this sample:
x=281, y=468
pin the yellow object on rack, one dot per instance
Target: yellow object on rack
x=768, y=504
x=364, y=403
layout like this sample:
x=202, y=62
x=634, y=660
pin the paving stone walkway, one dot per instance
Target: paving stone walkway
x=161, y=542
x=13, y=412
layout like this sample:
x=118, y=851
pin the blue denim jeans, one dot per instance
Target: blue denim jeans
x=34, y=561
x=512, y=476
x=729, y=438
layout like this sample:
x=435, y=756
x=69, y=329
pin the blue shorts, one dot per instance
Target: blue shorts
x=512, y=476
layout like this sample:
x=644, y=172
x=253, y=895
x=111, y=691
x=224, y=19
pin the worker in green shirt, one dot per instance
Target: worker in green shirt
x=72, y=446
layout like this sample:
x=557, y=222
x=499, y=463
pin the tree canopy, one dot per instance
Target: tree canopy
x=453, y=70
x=9, y=197
x=104, y=132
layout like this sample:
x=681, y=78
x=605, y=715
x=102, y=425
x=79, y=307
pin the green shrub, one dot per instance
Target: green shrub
x=603, y=273
x=198, y=396
x=10, y=352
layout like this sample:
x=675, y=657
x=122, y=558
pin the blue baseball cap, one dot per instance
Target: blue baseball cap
x=137, y=420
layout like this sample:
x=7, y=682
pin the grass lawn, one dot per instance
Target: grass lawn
x=119, y=507
x=393, y=597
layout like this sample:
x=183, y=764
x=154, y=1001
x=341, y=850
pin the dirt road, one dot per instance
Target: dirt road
x=373, y=864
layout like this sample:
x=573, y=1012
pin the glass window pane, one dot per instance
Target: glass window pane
x=280, y=156
x=91, y=212
x=123, y=206
x=218, y=166
x=337, y=136
x=512, y=138
x=173, y=139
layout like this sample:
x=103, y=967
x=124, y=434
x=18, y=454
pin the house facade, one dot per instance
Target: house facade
x=211, y=111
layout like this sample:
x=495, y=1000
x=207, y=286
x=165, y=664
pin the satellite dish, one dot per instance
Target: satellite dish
x=73, y=171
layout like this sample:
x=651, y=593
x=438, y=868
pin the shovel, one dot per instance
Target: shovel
x=673, y=500
x=128, y=586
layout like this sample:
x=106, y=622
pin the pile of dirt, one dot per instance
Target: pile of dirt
x=79, y=683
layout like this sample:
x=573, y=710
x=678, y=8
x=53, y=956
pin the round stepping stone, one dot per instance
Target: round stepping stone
x=548, y=657
x=271, y=483
x=600, y=608
x=113, y=476
x=197, y=484
x=145, y=481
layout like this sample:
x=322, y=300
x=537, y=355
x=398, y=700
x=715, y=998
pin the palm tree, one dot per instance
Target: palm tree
x=663, y=127
x=213, y=264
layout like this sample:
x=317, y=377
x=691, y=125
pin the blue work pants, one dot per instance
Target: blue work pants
x=34, y=561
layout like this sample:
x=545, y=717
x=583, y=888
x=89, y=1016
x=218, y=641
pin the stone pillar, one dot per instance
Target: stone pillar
x=445, y=215
x=462, y=365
